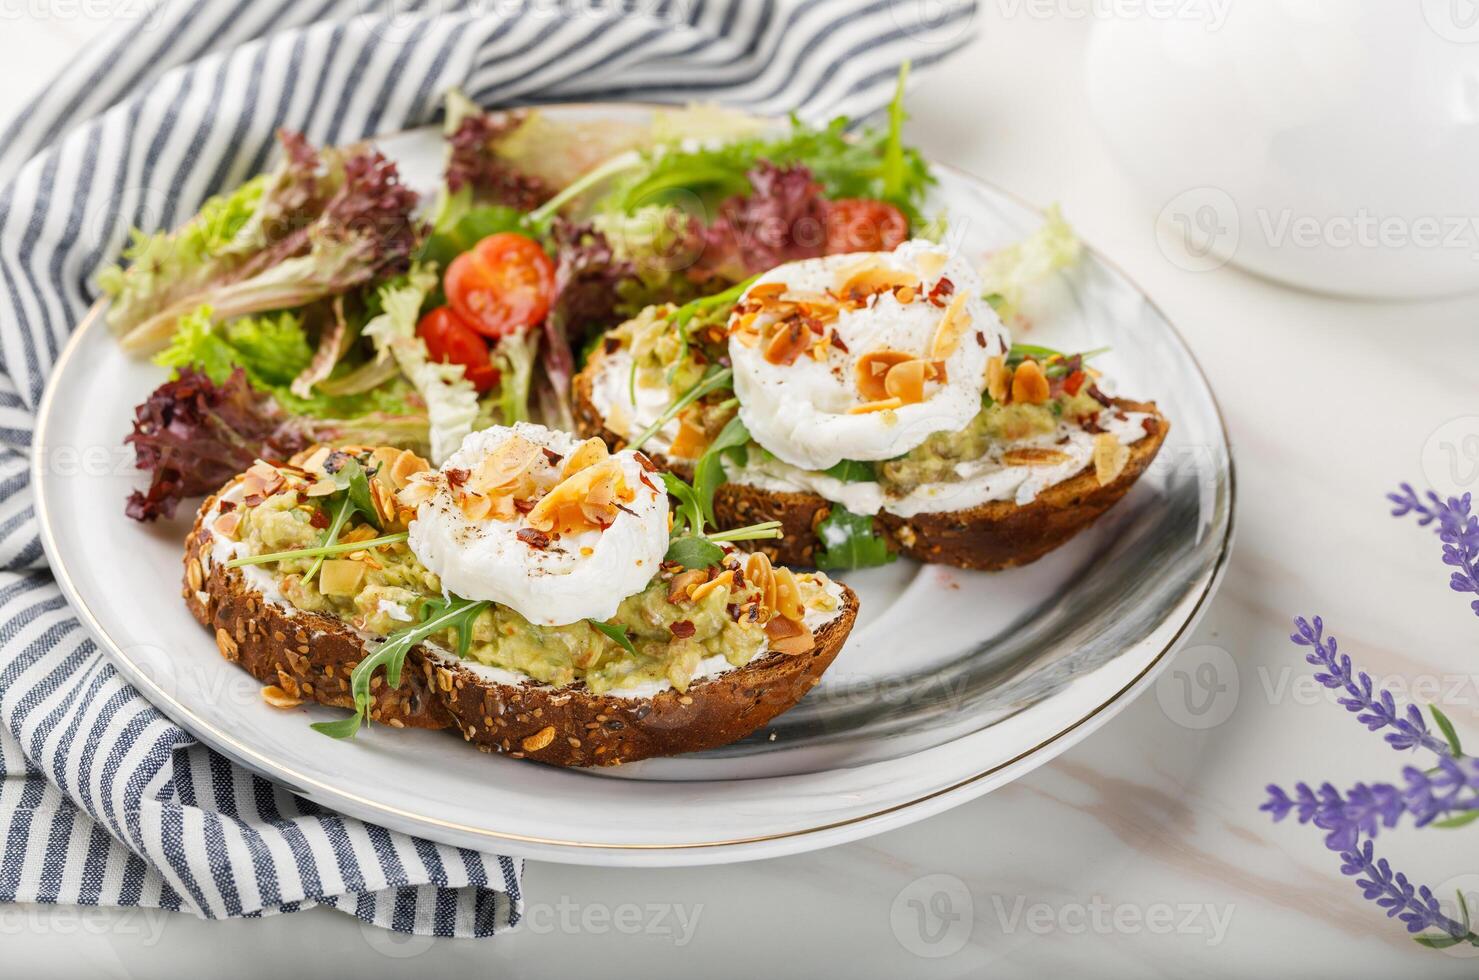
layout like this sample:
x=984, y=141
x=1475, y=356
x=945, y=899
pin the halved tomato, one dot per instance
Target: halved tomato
x=857, y=224
x=450, y=340
x=503, y=285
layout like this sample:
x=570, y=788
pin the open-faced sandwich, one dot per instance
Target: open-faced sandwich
x=536, y=592
x=872, y=403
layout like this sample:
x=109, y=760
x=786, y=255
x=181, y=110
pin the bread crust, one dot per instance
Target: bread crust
x=992, y=536
x=310, y=656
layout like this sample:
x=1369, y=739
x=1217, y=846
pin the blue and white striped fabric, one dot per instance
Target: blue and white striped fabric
x=103, y=800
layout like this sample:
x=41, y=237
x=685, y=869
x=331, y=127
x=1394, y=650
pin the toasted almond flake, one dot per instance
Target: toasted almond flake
x=930, y=264
x=872, y=368
x=906, y=381
x=953, y=326
x=278, y=698
x=788, y=595
x=226, y=644
x=766, y=290
x=998, y=378
x=194, y=575
x=1034, y=456
x=421, y=489
x=724, y=581
x=1029, y=384
x=407, y=465
x=1110, y=458
x=539, y=739
x=690, y=442
x=874, y=278
x=882, y=405
x=788, y=636
x=685, y=582
x=588, y=453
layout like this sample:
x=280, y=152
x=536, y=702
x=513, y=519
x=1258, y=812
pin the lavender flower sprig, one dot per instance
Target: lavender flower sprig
x=1457, y=528
x=1418, y=908
x=1449, y=794
x=1375, y=710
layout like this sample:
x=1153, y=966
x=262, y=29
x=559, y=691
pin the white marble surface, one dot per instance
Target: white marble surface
x=1138, y=853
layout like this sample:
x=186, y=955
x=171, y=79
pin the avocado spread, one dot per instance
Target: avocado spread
x=381, y=591
x=935, y=459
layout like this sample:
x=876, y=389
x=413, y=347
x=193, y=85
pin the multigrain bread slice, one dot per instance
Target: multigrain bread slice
x=306, y=656
x=991, y=536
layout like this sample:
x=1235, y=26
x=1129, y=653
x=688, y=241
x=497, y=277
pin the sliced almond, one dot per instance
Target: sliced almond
x=875, y=278
x=407, y=465
x=953, y=325
x=588, y=453
x=420, y=489
x=766, y=290
x=723, y=581
x=228, y=524
x=882, y=405
x=788, y=636
x=906, y=381
x=788, y=595
x=789, y=341
x=502, y=468
x=685, y=582
x=1110, y=457
x=561, y=509
x=1029, y=384
x=872, y=368
x=690, y=442
x=998, y=379
x=278, y=698
x=1034, y=456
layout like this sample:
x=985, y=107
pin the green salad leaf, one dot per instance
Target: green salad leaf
x=1012, y=273
x=850, y=541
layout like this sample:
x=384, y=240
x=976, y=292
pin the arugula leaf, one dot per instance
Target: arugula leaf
x=713, y=379
x=850, y=541
x=708, y=474
x=895, y=175
x=352, y=497
x=616, y=634
x=852, y=471
x=694, y=552
x=690, y=512
x=437, y=615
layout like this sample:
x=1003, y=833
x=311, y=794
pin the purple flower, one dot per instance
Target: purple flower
x=1375, y=710
x=1450, y=790
x=1416, y=907
x=1457, y=528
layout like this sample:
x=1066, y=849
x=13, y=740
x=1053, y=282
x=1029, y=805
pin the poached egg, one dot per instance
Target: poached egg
x=862, y=356
x=557, y=529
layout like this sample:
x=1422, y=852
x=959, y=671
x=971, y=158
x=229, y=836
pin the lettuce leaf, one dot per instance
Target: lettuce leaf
x=451, y=401
x=1013, y=273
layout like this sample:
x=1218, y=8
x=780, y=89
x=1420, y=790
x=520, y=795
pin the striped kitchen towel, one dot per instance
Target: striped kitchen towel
x=104, y=801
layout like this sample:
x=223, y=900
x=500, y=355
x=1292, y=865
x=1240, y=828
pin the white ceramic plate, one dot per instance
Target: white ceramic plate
x=952, y=683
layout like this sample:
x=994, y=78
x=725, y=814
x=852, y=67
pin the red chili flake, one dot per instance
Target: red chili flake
x=302, y=497
x=836, y=341
x=646, y=482
x=644, y=461
x=456, y=477
x=552, y=456
x=1098, y=396
x=980, y=338
x=533, y=538
x=319, y=520
x=1090, y=423
x=1074, y=382
x=523, y=506
x=253, y=499
x=227, y=506
x=1150, y=425
x=940, y=291
x=626, y=510
x=683, y=629
x=734, y=611
x=611, y=345
x=739, y=577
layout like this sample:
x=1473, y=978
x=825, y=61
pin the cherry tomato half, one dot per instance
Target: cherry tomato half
x=856, y=224
x=450, y=340
x=503, y=286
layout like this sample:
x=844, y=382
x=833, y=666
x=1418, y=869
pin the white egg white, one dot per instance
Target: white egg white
x=583, y=576
x=800, y=412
